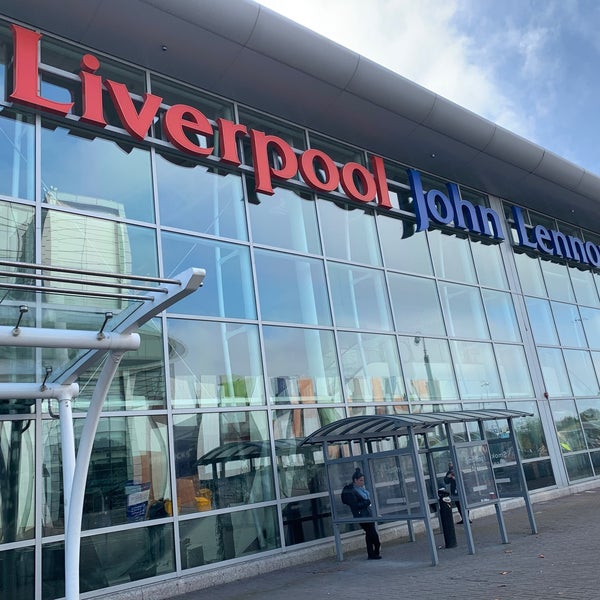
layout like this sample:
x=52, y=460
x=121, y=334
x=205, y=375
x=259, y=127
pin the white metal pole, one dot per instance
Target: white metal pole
x=73, y=522
x=67, y=437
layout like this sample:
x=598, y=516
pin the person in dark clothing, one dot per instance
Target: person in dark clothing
x=360, y=507
x=450, y=478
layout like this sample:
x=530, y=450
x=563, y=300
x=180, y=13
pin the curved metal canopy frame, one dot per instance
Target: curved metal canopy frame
x=111, y=341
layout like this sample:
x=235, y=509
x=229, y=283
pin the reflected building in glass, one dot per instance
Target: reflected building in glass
x=320, y=300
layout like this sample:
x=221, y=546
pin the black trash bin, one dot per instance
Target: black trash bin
x=446, y=520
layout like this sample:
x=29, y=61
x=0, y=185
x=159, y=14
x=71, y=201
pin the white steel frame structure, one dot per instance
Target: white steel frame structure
x=155, y=296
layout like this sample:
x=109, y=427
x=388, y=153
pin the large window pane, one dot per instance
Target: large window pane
x=359, y=297
x=427, y=369
x=17, y=481
x=307, y=520
x=514, y=373
x=129, y=471
x=489, y=265
x=18, y=574
x=416, y=305
x=16, y=155
x=222, y=460
x=451, y=257
x=541, y=320
x=204, y=200
x=215, y=538
x=349, y=233
x=568, y=427
x=111, y=559
x=590, y=319
x=16, y=232
x=227, y=290
x=554, y=372
x=476, y=371
x=589, y=413
x=530, y=275
x=301, y=469
x=581, y=373
x=529, y=431
x=214, y=364
x=557, y=281
x=585, y=289
x=291, y=288
x=287, y=219
x=95, y=175
x=464, y=311
x=403, y=248
x=302, y=366
x=501, y=316
x=569, y=324
x=370, y=367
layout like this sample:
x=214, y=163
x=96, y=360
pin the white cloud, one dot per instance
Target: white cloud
x=421, y=41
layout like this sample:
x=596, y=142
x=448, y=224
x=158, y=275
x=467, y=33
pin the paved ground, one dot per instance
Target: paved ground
x=561, y=561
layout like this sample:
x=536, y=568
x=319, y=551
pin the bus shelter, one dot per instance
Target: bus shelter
x=405, y=457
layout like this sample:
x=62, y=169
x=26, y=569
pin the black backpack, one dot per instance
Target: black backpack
x=348, y=496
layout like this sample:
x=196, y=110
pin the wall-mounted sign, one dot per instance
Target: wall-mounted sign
x=273, y=159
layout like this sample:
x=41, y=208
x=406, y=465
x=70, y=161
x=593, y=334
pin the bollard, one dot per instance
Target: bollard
x=446, y=520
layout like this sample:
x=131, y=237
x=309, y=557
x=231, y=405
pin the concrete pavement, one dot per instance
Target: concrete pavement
x=561, y=561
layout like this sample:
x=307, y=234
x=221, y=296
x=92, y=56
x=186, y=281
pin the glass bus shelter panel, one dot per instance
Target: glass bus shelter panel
x=340, y=474
x=395, y=489
x=475, y=467
x=506, y=470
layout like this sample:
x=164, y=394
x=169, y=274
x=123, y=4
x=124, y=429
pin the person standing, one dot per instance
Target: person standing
x=361, y=507
x=450, y=478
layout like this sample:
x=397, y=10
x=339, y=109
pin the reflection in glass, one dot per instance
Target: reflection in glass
x=371, y=367
x=554, y=372
x=464, y=311
x=302, y=366
x=501, y=316
x=568, y=427
x=287, y=219
x=541, y=320
x=581, y=373
x=16, y=155
x=291, y=288
x=17, y=569
x=359, y=297
x=214, y=364
x=306, y=520
x=476, y=371
x=530, y=275
x=96, y=175
x=301, y=469
x=129, y=471
x=17, y=479
x=589, y=413
x=514, y=374
x=451, y=257
x=350, y=233
x=557, y=280
x=489, y=265
x=529, y=431
x=583, y=284
x=590, y=319
x=204, y=200
x=427, y=369
x=139, y=383
x=214, y=538
x=112, y=559
x=227, y=290
x=16, y=233
x=222, y=460
x=578, y=466
x=403, y=248
x=416, y=305
x=569, y=324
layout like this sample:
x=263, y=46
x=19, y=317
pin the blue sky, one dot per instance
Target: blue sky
x=532, y=66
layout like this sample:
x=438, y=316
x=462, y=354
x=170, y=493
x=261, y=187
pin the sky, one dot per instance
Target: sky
x=531, y=66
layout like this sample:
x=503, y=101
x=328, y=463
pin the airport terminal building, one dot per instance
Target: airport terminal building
x=370, y=249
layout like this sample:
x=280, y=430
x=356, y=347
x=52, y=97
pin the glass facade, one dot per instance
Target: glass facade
x=314, y=308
